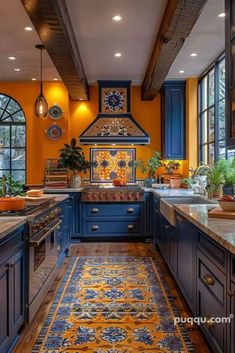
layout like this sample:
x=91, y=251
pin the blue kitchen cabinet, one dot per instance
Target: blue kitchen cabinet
x=12, y=284
x=66, y=226
x=156, y=220
x=148, y=214
x=76, y=216
x=186, y=260
x=173, y=120
x=113, y=221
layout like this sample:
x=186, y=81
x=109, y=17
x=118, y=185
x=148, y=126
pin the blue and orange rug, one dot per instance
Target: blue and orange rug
x=112, y=305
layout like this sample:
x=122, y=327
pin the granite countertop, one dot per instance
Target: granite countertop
x=58, y=198
x=220, y=230
x=9, y=224
x=171, y=192
x=62, y=190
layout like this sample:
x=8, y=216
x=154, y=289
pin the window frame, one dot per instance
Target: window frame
x=213, y=66
x=12, y=124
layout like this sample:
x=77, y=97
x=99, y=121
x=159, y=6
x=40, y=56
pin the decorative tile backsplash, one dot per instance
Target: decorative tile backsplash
x=110, y=163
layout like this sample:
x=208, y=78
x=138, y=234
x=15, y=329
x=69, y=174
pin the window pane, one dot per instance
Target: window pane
x=204, y=128
x=18, y=175
x=19, y=116
x=204, y=154
x=4, y=136
x=18, y=158
x=5, y=158
x=211, y=153
x=222, y=119
x=3, y=101
x=12, y=107
x=204, y=92
x=211, y=88
x=231, y=153
x=222, y=79
x=18, y=136
x=222, y=149
x=211, y=132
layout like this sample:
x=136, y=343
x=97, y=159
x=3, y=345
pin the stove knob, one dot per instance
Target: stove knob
x=129, y=197
x=114, y=197
x=137, y=196
x=94, y=197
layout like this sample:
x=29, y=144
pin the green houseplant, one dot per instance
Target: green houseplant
x=228, y=170
x=171, y=168
x=215, y=180
x=150, y=166
x=72, y=158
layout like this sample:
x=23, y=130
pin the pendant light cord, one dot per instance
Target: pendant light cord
x=41, y=69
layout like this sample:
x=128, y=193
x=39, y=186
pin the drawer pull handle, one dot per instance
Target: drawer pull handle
x=95, y=210
x=130, y=226
x=130, y=210
x=209, y=280
x=95, y=227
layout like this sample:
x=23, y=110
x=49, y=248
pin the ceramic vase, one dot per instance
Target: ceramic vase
x=75, y=181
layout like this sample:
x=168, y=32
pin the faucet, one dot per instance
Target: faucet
x=200, y=183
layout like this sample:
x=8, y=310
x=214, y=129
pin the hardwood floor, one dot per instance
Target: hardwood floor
x=31, y=332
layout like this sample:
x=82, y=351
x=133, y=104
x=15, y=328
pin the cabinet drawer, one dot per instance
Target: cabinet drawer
x=212, y=250
x=212, y=278
x=115, y=210
x=112, y=228
x=208, y=307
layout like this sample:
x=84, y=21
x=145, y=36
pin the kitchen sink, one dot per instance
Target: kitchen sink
x=167, y=205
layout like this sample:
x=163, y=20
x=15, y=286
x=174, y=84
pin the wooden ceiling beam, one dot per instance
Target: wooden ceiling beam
x=177, y=23
x=51, y=20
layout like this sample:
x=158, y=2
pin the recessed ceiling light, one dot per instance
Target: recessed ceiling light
x=117, y=18
x=193, y=54
x=11, y=58
x=33, y=79
x=16, y=69
x=118, y=55
x=222, y=14
x=181, y=71
x=55, y=79
x=28, y=28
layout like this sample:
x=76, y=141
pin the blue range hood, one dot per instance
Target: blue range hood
x=114, y=124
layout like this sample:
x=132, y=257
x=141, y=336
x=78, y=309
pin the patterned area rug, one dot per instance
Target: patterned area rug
x=112, y=305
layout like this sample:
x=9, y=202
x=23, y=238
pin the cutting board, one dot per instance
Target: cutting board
x=217, y=212
x=39, y=200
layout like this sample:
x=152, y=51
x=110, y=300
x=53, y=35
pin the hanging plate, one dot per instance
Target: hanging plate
x=54, y=132
x=55, y=112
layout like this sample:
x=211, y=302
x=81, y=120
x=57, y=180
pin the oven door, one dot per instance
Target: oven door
x=43, y=254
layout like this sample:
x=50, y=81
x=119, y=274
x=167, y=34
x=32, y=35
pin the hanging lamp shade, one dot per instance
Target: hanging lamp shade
x=41, y=106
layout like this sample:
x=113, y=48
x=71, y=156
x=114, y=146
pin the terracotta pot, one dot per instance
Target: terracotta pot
x=175, y=182
x=75, y=181
x=11, y=203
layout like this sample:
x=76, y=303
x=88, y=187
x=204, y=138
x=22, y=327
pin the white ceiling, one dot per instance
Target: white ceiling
x=99, y=37
x=207, y=39
x=15, y=41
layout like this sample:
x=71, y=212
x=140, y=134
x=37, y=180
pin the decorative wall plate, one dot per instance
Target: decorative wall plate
x=54, y=132
x=55, y=112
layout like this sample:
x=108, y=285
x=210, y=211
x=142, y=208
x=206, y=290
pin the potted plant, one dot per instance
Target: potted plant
x=10, y=191
x=215, y=180
x=228, y=170
x=171, y=168
x=149, y=167
x=72, y=158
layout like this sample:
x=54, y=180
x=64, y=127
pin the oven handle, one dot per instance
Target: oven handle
x=37, y=241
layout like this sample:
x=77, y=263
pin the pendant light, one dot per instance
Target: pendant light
x=40, y=106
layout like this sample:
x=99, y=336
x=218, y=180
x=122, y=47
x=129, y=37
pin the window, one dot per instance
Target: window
x=12, y=139
x=212, y=144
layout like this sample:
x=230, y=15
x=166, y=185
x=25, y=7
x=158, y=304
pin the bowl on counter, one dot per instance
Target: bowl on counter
x=11, y=203
x=227, y=205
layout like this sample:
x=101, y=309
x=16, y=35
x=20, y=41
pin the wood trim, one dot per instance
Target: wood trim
x=177, y=23
x=51, y=20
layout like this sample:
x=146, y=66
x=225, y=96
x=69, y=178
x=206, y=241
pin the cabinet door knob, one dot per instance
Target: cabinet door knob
x=209, y=280
x=130, y=226
x=95, y=227
x=130, y=210
x=95, y=210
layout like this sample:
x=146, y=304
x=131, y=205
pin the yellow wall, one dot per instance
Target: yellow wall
x=77, y=116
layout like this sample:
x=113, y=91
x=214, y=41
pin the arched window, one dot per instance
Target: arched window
x=12, y=139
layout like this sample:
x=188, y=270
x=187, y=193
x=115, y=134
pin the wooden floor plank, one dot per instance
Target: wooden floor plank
x=30, y=333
